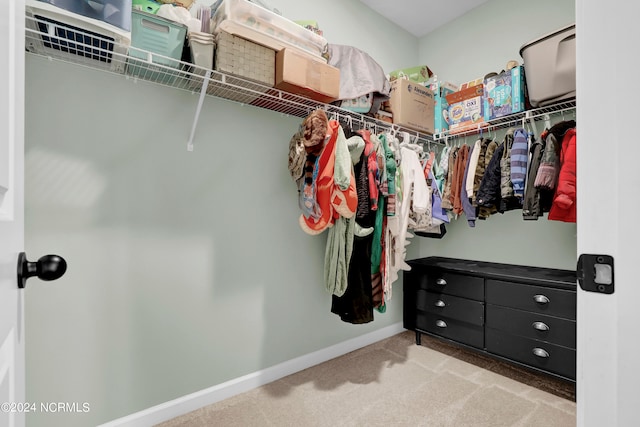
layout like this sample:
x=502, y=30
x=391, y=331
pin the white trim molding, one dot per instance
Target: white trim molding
x=199, y=399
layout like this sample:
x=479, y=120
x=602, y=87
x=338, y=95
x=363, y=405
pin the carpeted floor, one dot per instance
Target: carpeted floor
x=397, y=383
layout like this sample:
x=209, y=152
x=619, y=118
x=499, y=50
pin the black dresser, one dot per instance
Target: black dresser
x=526, y=315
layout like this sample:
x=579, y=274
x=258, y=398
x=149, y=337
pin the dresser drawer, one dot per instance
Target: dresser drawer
x=538, y=299
x=455, y=330
x=551, y=329
x=549, y=357
x=457, y=308
x=461, y=285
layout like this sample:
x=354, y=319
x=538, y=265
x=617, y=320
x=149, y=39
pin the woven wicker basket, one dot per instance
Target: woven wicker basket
x=246, y=59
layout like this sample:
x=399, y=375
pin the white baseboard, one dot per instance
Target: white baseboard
x=193, y=401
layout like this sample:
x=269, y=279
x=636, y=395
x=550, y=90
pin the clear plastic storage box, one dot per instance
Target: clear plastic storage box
x=550, y=67
x=252, y=22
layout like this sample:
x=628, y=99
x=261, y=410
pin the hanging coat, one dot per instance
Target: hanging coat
x=564, y=201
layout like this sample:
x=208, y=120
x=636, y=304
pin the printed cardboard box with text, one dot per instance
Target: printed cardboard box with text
x=466, y=109
x=412, y=105
x=504, y=94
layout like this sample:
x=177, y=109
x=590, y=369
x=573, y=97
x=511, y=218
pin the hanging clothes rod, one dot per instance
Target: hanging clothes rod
x=374, y=125
x=542, y=113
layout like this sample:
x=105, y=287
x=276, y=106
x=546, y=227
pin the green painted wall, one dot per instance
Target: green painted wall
x=475, y=44
x=186, y=270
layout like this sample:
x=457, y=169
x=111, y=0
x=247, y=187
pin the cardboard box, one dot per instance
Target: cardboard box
x=466, y=109
x=412, y=105
x=298, y=73
x=441, y=113
x=504, y=94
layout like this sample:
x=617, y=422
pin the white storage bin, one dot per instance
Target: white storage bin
x=550, y=67
x=59, y=33
x=115, y=12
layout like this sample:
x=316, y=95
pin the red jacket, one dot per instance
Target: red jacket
x=564, y=200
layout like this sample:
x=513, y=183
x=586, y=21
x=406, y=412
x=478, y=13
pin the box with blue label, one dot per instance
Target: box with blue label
x=441, y=113
x=466, y=109
x=504, y=94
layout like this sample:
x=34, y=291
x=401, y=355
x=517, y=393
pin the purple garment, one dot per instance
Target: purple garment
x=469, y=209
x=437, y=211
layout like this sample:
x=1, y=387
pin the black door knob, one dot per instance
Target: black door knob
x=48, y=267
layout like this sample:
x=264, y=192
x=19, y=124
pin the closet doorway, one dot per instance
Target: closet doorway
x=607, y=371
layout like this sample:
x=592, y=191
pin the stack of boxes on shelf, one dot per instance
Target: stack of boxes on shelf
x=412, y=102
x=422, y=102
x=162, y=41
x=262, y=46
x=418, y=100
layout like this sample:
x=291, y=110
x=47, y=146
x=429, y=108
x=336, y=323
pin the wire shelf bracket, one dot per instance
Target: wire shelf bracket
x=203, y=92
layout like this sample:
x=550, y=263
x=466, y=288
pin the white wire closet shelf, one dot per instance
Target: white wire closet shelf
x=567, y=107
x=111, y=52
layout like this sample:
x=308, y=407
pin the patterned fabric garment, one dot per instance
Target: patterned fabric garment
x=485, y=212
x=458, y=178
x=488, y=195
x=508, y=200
x=547, y=176
x=506, y=186
x=442, y=168
x=421, y=221
x=307, y=192
x=372, y=168
x=480, y=168
x=332, y=201
x=447, y=200
x=519, y=160
x=389, y=188
x=362, y=188
x=532, y=207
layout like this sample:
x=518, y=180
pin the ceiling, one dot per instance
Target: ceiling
x=420, y=17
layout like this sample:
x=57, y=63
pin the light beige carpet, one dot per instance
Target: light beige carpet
x=397, y=383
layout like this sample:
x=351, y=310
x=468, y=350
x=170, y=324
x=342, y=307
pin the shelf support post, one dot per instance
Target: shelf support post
x=203, y=92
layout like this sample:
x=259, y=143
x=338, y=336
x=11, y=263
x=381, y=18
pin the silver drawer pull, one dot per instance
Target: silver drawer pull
x=541, y=326
x=541, y=299
x=540, y=352
x=440, y=303
x=441, y=324
x=441, y=282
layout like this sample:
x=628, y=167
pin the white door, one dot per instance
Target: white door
x=608, y=371
x=11, y=211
